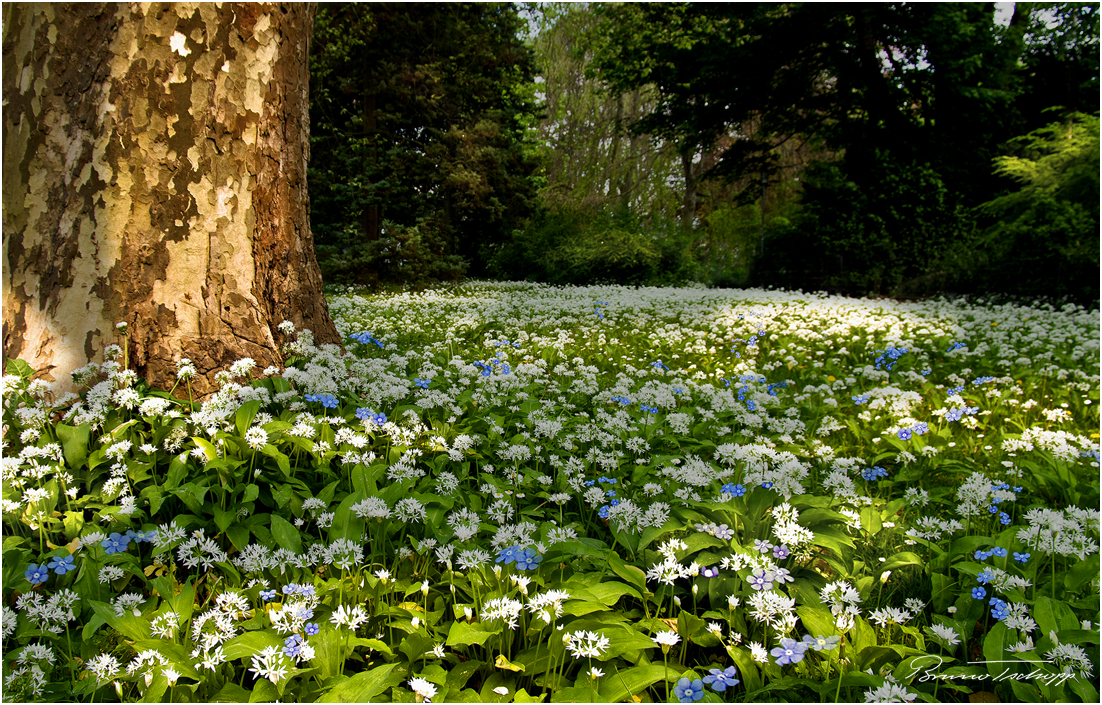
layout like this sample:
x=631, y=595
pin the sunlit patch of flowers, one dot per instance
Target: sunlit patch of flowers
x=517, y=491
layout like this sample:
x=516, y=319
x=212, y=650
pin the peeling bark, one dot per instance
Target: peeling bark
x=155, y=173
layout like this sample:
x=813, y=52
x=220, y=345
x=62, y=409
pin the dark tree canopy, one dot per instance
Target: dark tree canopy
x=420, y=162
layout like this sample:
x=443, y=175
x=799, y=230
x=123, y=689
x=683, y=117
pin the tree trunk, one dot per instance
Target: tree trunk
x=155, y=173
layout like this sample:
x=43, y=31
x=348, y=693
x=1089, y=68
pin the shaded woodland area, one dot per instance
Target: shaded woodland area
x=893, y=149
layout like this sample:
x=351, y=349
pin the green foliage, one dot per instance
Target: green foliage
x=873, y=236
x=583, y=245
x=1042, y=238
x=421, y=162
x=158, y=551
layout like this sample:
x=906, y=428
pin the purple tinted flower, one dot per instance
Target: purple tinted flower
x=62, y=565
x=790, y=651
x=722, y=680
x=115, y=543
x=781, y=552
x=37, y=574
x=687, y=691
x=760, y=580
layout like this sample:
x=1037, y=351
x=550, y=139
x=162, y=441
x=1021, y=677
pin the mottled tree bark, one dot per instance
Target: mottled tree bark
x=155, y=173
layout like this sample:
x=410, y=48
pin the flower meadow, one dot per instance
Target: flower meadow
x=506, y=492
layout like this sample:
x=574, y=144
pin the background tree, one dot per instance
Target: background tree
x=154, y=173
x=909, y=103
x=422, y=162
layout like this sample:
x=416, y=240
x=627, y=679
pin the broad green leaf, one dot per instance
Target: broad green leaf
x=128, y=625
x=1082, y=574
x=251, y=643
x=901, y=559
x=465, y=634
x=817, y=620
x=994, y=648
x=364, y=686
x=285, y=534
x=20, y=368
x=223, y=518
x=207, y=446
x=1053, y=616
x=231, y=693
x=74, y=443
x=870, y=520
x=632, y=574
x=620, y=685
x=245, y=415
x=238, y=535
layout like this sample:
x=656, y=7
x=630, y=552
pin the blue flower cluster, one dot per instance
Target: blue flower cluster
x=887, y=358
x=327, y=400
x=772, y=388
x=861, y=399
x=624, y=401
x=999, y=609
x=365, y=414
x=422, y=383
x=297, y=589
x=687, y=691
x=506, y=342
x=1004, y=518
x=956, y=346
x=600, y=313
x=365, y=338
x=790, y=651
x=525, y=558
x=918, y=429
x=118, y=543
x=38, y=574
x=874, y=473
x=982, y=380
x=651, y=409
x=488, y=367
x=293, y=645
x=733, y=489
x=658, y=365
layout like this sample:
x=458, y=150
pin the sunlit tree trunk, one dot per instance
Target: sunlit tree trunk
x=155, y=173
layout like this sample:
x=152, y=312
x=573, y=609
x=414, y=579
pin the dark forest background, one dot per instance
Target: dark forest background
x=882, y=148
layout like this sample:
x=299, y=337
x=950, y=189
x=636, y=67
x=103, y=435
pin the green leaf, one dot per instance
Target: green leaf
x=251, y=493
x=207, y=446
x=20, y=368
x=238, y=535
x=364, y=686
x=870, y=520
x=901, y=559
x=74, y=442
x=465, y=634
x=285, y=534
x=128, y=625
x=817, y=620
x=250, y=643
x=223, y=518
x=609, y=593
x=231, y=693
x=264, y=692
x=619, y=686
x=1053, y=616
x=633, y=574
x=994, y=648
x=1082, y=574
x=245, y=415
